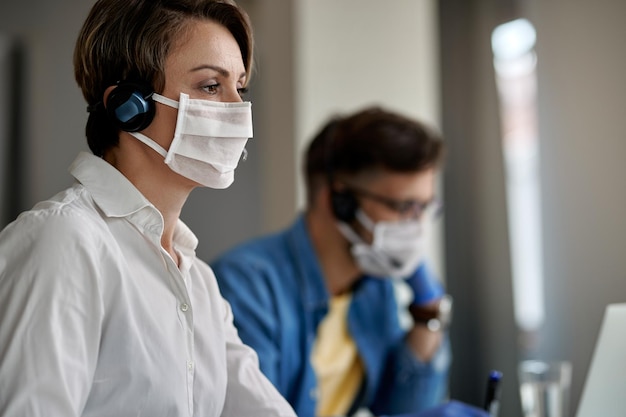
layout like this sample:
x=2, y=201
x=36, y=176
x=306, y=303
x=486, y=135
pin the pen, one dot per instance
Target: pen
x=492, y=398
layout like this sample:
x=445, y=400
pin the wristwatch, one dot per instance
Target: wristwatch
x=435, y=318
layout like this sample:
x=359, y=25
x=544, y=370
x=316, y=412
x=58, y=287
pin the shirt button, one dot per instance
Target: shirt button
x=184, y=307
x=313, y=393
x=190, y=365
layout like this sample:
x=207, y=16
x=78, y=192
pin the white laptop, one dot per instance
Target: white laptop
x=604, y=392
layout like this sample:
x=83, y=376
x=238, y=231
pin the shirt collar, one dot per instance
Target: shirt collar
x=315, y=294
x=185, y=239
x=112, y=192
x=116, y=196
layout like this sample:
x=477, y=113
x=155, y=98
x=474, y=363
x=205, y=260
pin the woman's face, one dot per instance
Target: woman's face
x=205, y=63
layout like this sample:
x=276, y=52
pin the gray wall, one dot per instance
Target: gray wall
x=582, y=105
x=10, y=116
x=477, y=258
x=54, y=112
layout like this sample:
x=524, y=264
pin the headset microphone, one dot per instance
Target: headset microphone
x=344, y=203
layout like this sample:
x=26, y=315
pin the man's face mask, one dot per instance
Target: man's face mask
x=396, y=249
x=209, y=139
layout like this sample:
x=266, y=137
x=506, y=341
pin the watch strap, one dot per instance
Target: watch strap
x=434, y=317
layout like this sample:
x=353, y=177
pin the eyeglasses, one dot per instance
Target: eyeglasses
x=406, y=208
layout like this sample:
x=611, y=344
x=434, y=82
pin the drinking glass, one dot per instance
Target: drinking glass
x=545, y=388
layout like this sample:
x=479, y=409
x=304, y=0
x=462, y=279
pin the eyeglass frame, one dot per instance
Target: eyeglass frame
x=402, y=207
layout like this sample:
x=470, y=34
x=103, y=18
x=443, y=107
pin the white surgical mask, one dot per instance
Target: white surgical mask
x=209, y=139
x=396, y=249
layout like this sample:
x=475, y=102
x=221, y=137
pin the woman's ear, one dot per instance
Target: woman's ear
x=105, y=96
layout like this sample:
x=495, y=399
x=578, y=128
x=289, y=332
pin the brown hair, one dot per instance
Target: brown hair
x=131, y=39
x=368, y=140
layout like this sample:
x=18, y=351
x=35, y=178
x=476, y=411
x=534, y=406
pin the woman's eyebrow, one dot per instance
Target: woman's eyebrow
x=223, y=72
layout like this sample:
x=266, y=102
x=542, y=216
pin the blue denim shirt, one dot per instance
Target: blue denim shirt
x=278, y=296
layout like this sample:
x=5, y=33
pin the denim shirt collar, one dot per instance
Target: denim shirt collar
x=313, y=287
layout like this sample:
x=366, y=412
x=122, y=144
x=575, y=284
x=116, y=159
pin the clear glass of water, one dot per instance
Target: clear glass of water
x=545, y=388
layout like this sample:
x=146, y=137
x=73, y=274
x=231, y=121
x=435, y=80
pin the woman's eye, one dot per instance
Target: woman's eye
x=242, y=91
x=211, y=89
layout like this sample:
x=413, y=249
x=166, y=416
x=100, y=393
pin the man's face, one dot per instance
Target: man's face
x=392, y=196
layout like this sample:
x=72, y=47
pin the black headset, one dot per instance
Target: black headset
x=130, y=105
x=344, y=203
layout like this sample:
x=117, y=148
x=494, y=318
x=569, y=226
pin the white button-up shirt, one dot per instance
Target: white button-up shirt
x=97, y=320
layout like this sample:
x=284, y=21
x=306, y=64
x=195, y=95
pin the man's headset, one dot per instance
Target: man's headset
x=344, y=203
x=129, y=105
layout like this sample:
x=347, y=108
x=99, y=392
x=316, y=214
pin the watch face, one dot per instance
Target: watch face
x=434, y=325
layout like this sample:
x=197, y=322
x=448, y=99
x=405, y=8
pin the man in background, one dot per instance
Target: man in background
x=341, y=307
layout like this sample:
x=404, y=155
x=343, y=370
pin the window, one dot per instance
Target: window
x=515, y=63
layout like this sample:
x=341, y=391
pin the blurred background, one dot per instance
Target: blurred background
x=529, y=95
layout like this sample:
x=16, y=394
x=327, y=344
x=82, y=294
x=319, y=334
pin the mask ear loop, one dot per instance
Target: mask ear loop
x=349, y=234
x=365, y=220
x=149, y=142
x=165, y=100
x=369, y=225
x=146, y=140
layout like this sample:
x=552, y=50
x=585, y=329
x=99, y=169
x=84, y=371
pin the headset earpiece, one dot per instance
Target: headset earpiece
x=130, y=106
x=344, y=205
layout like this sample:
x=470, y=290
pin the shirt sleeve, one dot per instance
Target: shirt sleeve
x=412, y=385
x=249, y=392
x=425, y=285
x=399, y=381
x=51, y=315
x=244, y=284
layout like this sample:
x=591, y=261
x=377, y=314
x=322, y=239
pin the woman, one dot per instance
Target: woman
x=105, y=308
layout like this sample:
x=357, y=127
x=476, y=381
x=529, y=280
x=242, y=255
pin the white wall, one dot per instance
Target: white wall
x=355, y=53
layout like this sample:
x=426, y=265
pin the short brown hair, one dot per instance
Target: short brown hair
x=131, y=39
x=368, y=140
